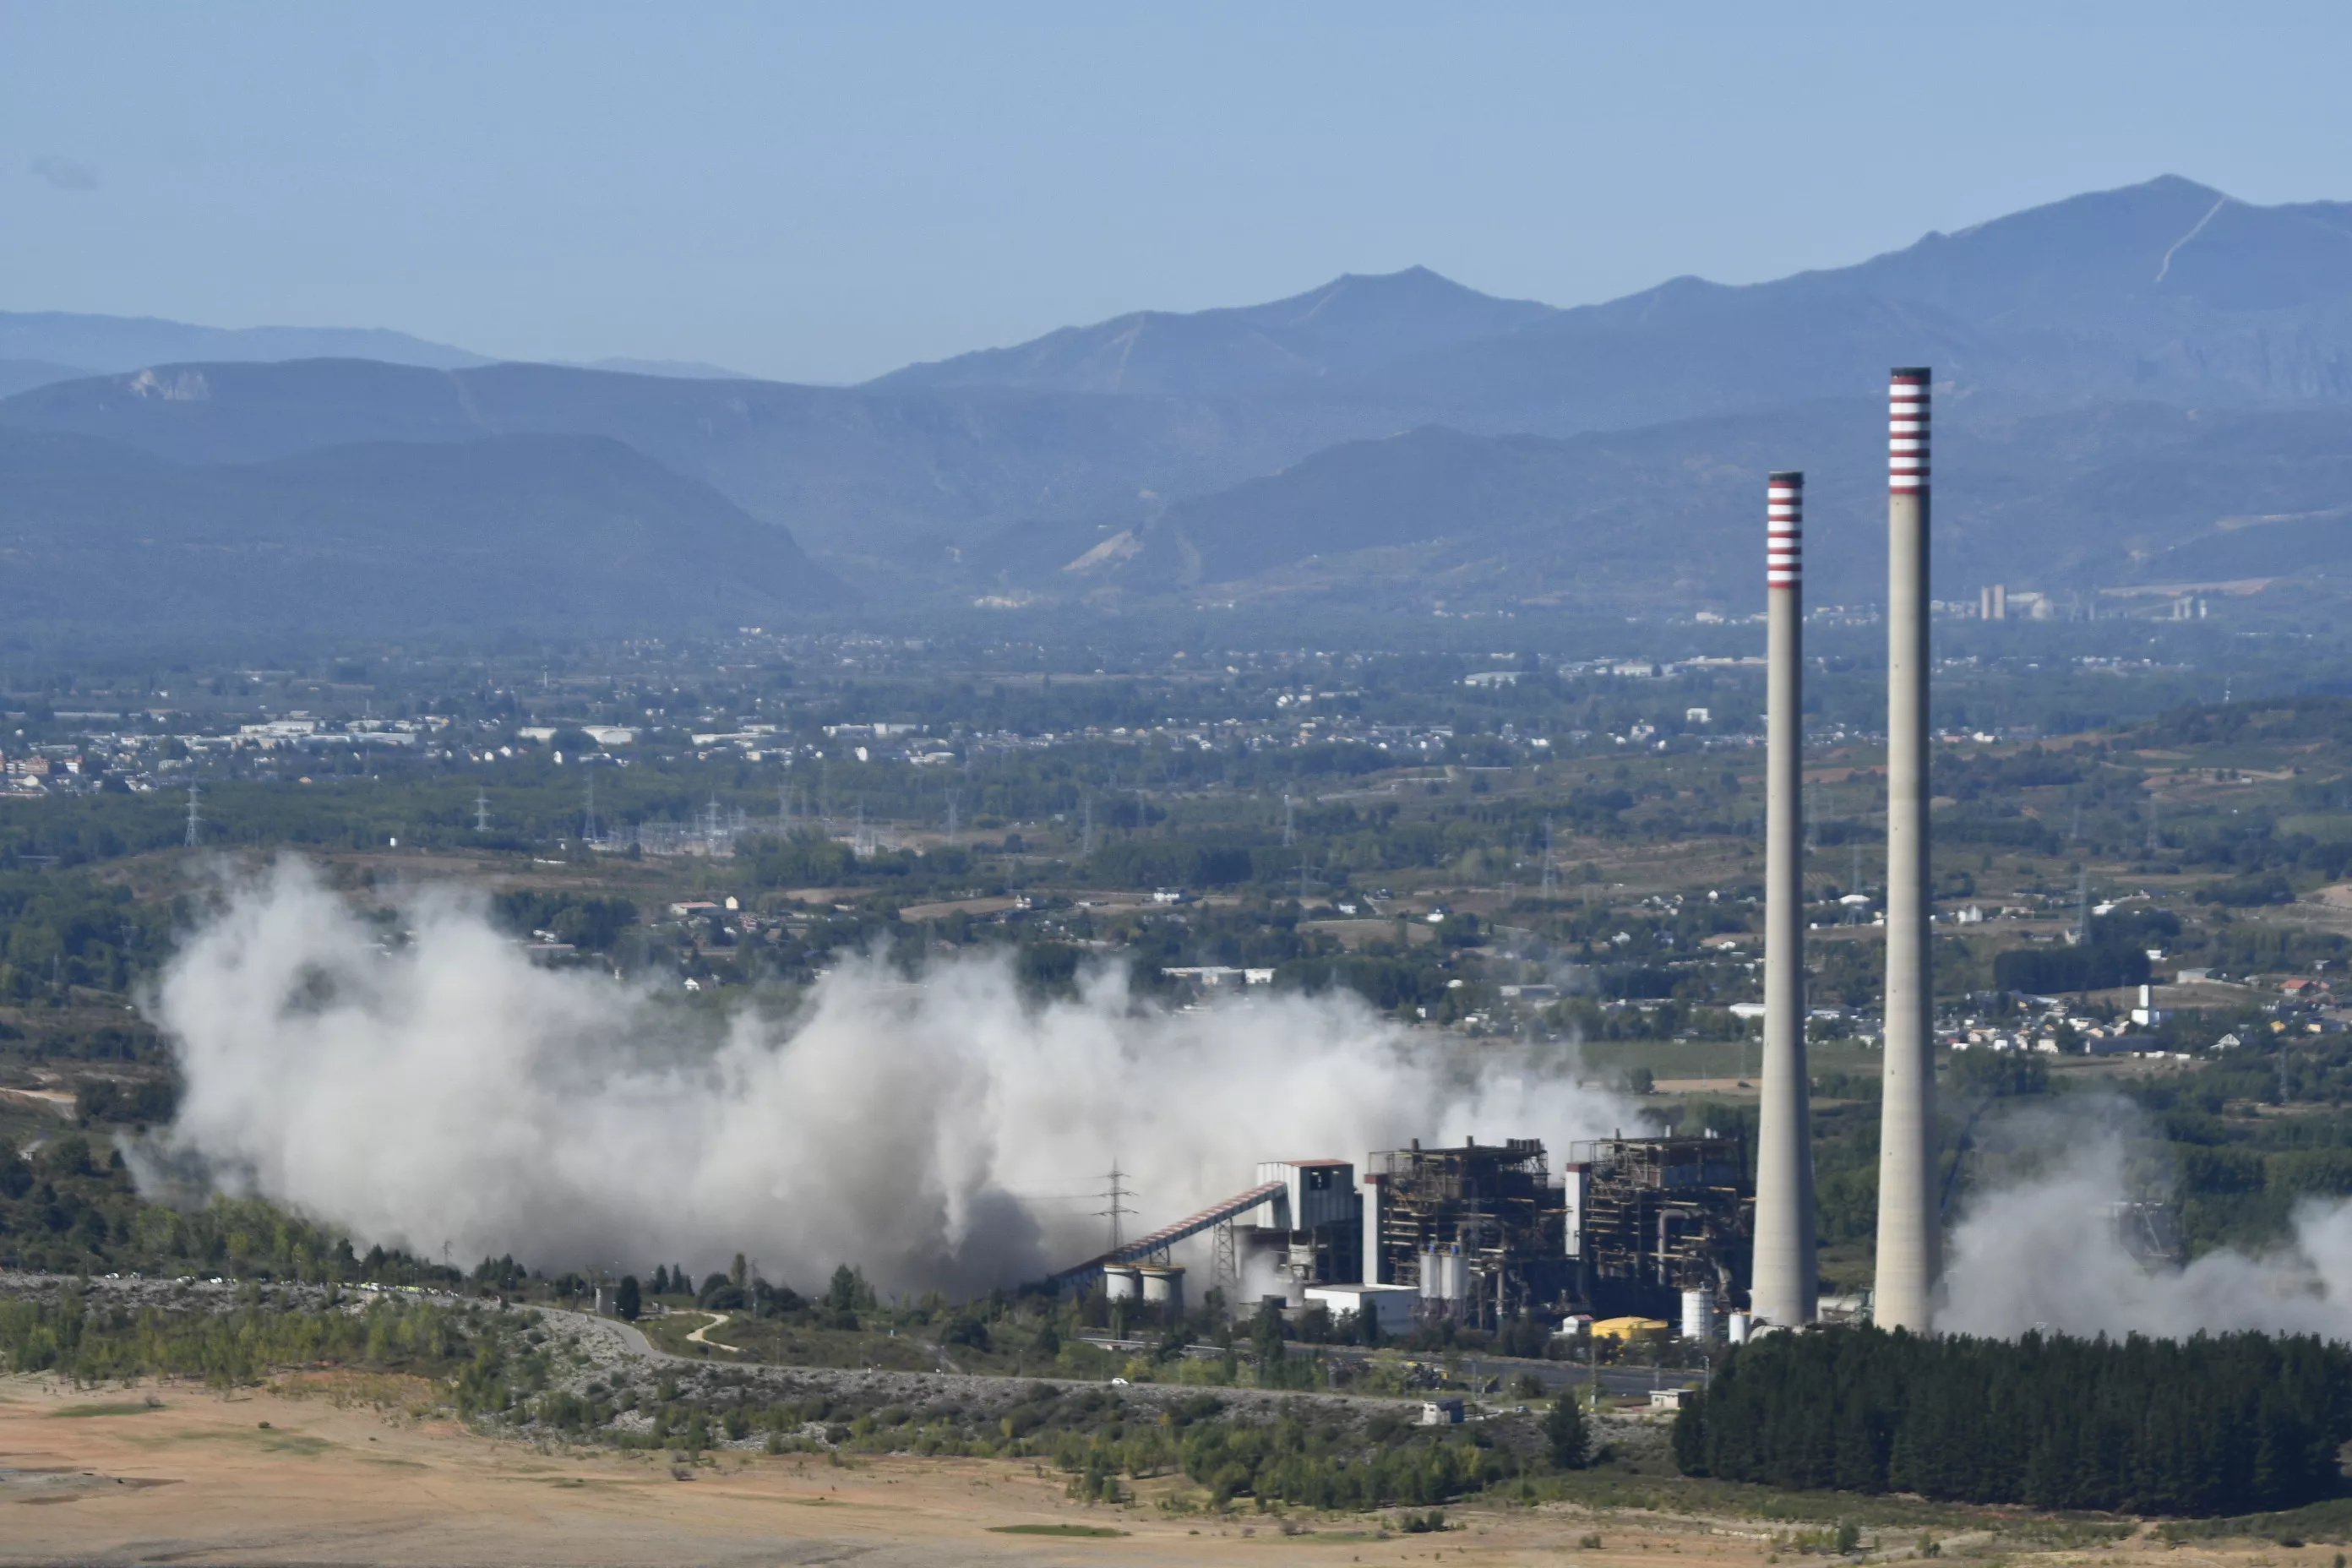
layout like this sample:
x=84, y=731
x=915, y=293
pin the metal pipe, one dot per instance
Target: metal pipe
x=1904, y=1294
x=1784, y=1283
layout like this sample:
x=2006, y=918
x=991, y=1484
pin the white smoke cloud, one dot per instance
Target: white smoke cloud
x=2045, y=1251
x=451, y=1093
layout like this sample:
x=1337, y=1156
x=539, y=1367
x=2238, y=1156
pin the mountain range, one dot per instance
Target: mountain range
x=42, y=346
x=2167, y=288
x=1350, y=326
x=2147, y=383
x=528, y=533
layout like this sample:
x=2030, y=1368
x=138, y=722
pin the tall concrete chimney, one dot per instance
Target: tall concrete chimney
x=1907, y=1240
x=1782, y=1289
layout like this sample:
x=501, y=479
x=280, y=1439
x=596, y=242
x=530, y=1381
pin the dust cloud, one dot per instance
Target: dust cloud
x=449, y=1095
x=2046, y=1251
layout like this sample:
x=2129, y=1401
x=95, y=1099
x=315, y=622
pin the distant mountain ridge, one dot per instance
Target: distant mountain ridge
x=1403, y=437
x=102, y=344
x=24, y=375
x=1348, y=324
x=678, y=369
x=885, y=481
x=1669, y=514
x=569, y=532
x=2167, y=288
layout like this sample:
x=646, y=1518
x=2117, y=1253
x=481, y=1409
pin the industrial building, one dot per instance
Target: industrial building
x=1308, y=1232
x=1477, y=1233
x=1650, y=1221
x=1476, y=1229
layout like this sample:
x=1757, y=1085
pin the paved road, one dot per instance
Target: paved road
x=1623, y=1382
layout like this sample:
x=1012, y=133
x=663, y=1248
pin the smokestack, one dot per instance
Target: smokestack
x=1783, y=1283
x=1907, y=1241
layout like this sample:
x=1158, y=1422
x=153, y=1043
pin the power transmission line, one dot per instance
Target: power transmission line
x=196, y=820
x=481, y=811
x=1113, y=1198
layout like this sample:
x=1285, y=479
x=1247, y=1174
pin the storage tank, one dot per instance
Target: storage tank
x=1737, y=1327
x=1457, y=1275
x=1698, y=1314
x=1432, y=1276
x=1163, y=1285
x=1122, y=1282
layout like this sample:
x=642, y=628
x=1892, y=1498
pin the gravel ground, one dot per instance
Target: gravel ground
x=609, y=1346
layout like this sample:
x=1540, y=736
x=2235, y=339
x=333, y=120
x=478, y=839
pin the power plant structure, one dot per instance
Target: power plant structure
x=1655, y=1222
x=1477, y=1230
x=1904, y=1294
x=1475, y=1233
x=1309, y=1232
x=1786, y=1280
x=1639, y=1226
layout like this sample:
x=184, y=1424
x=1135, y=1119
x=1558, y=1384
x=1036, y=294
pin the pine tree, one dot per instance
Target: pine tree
x=1567, y=1436
x=2211, y=1425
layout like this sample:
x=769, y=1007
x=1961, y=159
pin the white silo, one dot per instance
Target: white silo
x=1163, y=1285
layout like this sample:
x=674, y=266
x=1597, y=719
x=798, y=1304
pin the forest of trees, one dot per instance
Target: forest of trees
x=93, y=1340
x=2235, y=1423
x=2056, y=970
x=72, y=1207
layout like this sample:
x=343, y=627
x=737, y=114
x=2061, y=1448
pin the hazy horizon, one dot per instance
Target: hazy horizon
x=821, y=197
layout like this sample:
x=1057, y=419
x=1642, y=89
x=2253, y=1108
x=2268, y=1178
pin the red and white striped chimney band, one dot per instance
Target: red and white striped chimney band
x=1784, y=530
x=1907, y=429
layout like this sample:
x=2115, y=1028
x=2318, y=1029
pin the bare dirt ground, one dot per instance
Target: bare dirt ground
x=340, y=1472
x=322, y=1477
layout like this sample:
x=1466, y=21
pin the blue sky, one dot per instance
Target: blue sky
x=822, y=192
